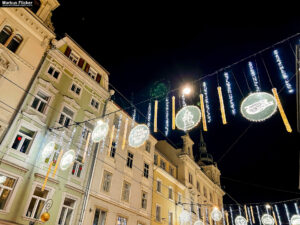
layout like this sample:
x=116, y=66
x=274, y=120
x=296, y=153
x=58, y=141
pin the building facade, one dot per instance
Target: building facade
x=24, y=37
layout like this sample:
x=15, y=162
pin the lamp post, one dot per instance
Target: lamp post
x=91, y=173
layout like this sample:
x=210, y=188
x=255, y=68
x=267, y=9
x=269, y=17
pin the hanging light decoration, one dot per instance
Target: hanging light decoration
x=57, y=162
x=149, y=115
x=86, y=147
x=173, y=113
x=278, y=215
x=125, y=134
x=282, y=113
x=138, y=135
x=133, y=118
x=254, y=76
x=231, y=215
x=155, y=115
x=203, y=113
x=267, y=219
x=223, y=217
x=216, y=214
x=230, y=94
x=295, y=220
x=287, y=213
x=249, y=216
x=111, y=138
x=118, y=130
x=227, y=220
x=222, y=105
x=258, y=214
x=47, y=175
x=67, y=159
x=296, y=208
x=240, y=220
x=252, y=214
x=100, y=131
x=205, y=92
x=167, y=117
x=274, y=217
x=284, y=74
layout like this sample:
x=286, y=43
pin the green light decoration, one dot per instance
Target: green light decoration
x=159, y=90
x=258, y=106
x=188, y=117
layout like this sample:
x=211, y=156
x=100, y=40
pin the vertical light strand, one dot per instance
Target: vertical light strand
x=252, y=214
x=254, y=76
x=296, y=208
x=80, y=141
x=287, y=213
x=133, y=118
x=205, y=92
x=231, y=215
x=227, y=220
x=258, y=214
x=240, y=210
x=203, y=113
x=223, y=217
x=167, y=121
x=222, y=105
x=230, y=94
x=278, y=215
x=149, y=116
x=275, y=220
x=125, y=134
x=86, y=147
x=284, y=74
x=282, y=113
x=155, y=115
x=118, y=131
x=104, y=140
x=47, y=175
x=57, y=162
x=111, y=139
x=183, y=100
x=249, y=216
x=173, y=113
x=246, y=213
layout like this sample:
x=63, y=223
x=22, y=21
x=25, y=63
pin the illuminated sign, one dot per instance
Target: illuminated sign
x=67, y=159
x=198, y=222
x=138, y=135
x=47, y=151
x=100, y=131
x=216, y=215
x=295, y=220
x=240, y=220
x=266, y=219
x=188, y=117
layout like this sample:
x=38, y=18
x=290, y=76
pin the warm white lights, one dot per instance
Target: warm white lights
x=267, y=219
x=138, y=135
x=254, y=76
x=100, y=131
x=188, y=117
x=186, y=90
x=67, y=159
x=167, y=116
x=216, y=214
x=206, y=102
x=230, y=94
x=48, y=150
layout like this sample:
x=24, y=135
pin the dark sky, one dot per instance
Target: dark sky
x=141, y=44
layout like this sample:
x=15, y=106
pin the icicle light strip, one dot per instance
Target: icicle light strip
x=252, y=214
x=296, y=207
x=86, y=147
x=278, y=215
x=183, y=100
x=258, y=215
x=149, y=115
x=223, y=217
x=240, y=211
x=222, y=105
x=167, y=117
x=284, y=75
x=203, y=113
x=47, y=175
x=155, y=115
x=133, y=118
x=208, y=116
x=125, y=134
x=173, y=113
x=231, y=215
x=118, y=130
x=227, y=220
x=287, y=213
x=249, y=215
x=282, y=113
x=246, y=214
x=57, y=162
x=230, y=94
x=104, y=140
x=275, y=220
x=254, y=76
x=111, y=139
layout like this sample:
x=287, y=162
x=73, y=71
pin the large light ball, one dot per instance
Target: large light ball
x=67, y=159
x=267, y=219
x=240, y=220
x=100, y=131
x=295, y=220
x=216, y=214
x=186, y=90
x=47, y=151
x=45, y=217
x=138, y=135
x=198, y=222
x=184, y=217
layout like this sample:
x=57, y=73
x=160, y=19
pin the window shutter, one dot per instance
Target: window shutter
x=81, y=62
x=87, y=67
x=98, y=78
x=68, y=51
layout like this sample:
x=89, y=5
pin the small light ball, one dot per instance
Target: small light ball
x=45, y=217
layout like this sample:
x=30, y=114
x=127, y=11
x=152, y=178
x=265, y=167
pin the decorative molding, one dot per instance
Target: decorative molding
x=88, y=114
x=24, y=170
x=38, y=175
x=34, y=118
x=71, y=102
x=48, y=85
x=74, y=188
x=6, y=62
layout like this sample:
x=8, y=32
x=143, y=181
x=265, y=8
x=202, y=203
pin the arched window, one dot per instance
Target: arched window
x=15, y=43
x=5, y=34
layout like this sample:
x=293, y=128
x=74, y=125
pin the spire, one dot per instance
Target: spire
x=202, y=144
x=205, y=158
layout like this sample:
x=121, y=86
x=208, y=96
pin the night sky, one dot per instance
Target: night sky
x=142, y=44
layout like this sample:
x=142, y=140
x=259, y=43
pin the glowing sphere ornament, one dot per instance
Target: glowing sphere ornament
x=138, y=135
x=267, y=219
x=184, y=217
x=295, y=220
x=240, y=220
x=188, y=117
x=100, y=131
x=258, y=106
x=48, y=150
x=45, y=217
x=216, y=214
x=198, y=222
x=67, y=159
x=2, y=179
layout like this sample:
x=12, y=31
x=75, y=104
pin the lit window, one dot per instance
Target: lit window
x=5, y=34
x=53, y=72
x=66, y=212
x=144, y=200
x=76, y=89
x=15, y=43
x=23, y=140
x=95, y=103
x=126, y=191
x=7, y=186
x=66, y=117
x=146, y=170
x=158, y=213
x=37, y=203
x=106, y=181
x=99, y=217
x=40, y=102
x=129, y=160
x=122, y=221
x=74, y=57
x=77, y=166
x=158, y=186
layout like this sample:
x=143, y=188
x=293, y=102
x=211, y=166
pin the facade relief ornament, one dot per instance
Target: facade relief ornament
x=6, y=62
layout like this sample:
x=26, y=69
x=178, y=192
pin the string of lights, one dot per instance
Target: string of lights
x=230, y=94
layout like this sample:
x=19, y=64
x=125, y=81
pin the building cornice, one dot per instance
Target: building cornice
x=22, y=169
x=169, y=177
x=74, y=188
x=41, y=176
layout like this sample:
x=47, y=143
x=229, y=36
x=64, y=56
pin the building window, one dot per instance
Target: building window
x=158, y=213
x=65, y=117
x=76, y=89
x=37, y=203
x=66, y=212
x=99, y=217
x=53, y=72
x=88, y=127
x=146, y=170
x=204, y=192
x=155, y=160
x=179, y=198
x=211, y=197
x=15, y=43
x=5, y=34
x=144, y=200
x=162, y=164
x=77, y=166
x=158, y=186
x=92, y=73
x=170, y=193
x=171, y=171
x=126, y=191
x=198, y=186
x=40, y=102
x=192, y=206
x=74, y=57
x=6, y=188
x=170, y=218
x=148, y=146
x=23, y=140
x=190, y=178
x=107, y=176
x=95, y=103
x=129, y=160
x=199, y=212
x=121, y=221
x=113, y=149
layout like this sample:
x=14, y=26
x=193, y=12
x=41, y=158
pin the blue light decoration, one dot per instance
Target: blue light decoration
x=254, y=76
x=287, y=213
x=296, y=207
x=207, y=108
x=284, y=74
x=278, y=215
x=250, y=219
x=240, y=210
x=230, y=94
x=231, y=215
x=149, y=115
x=258, y=215
x=167, y=117
x=183, y=100
x=223, y=217
x=118, y=130
x=133, y=118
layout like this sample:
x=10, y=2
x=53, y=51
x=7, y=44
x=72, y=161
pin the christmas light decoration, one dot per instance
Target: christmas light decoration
x=149, y=115
x=208, y=116
x=274, y=217
x=227, y=220
x=2, y=179
x=86, y=147
x=267, y=219
x=125, y=134
x=167, y=117
x=284, y=74
x=173, y=113
x=48, y=150
x=57, y=162
x=254, y=76
x=118, y=130
x=230, y=94
x=206, y=217
x=287, y=213
x=231, y=215
x=258, y=106
x=183, y=100
x=258, y=215
x=223, y=217
x=47, y=175
x=100, y=131
x=111, y=138
x=198, y=222
x=246, y=213
x=249, y=216
x=155, y=115
x=67, y=160
x=216, y=214
x=138, y=135
x=296, y=208
x=203, y=113
x=240, y=220
x=282, y=113
x=278, y=215
x=222, y=105
x=184, y=217
x=133, y=118
x=252, y=214
x=295, y=220
x=188, y=117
